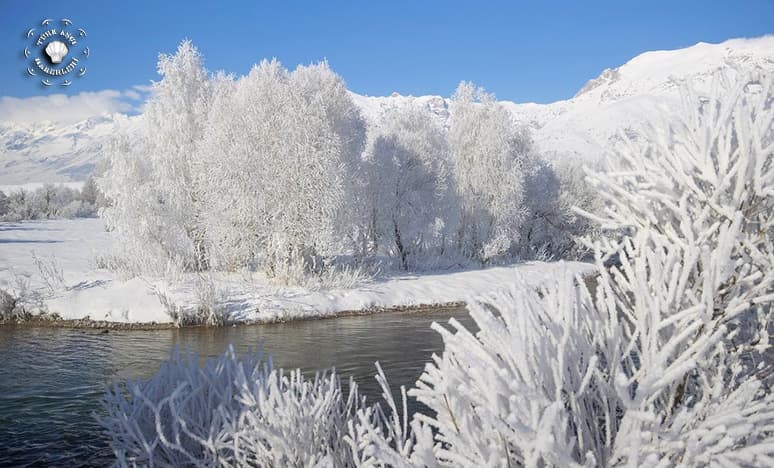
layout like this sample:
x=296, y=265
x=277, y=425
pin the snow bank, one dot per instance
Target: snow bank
x=111, y=301
x=261, y=302
x=69, y=247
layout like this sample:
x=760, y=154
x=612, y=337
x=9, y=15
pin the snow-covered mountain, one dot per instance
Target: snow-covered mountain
x=47, y=152
x=581, y=126
x=640, y=90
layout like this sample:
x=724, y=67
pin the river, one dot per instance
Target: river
x=52, y=379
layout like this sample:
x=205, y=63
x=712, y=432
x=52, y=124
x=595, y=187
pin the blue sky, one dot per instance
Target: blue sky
x=521, y=51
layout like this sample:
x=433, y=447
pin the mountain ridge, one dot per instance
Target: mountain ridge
x=579, y=127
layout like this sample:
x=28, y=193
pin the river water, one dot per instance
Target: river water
x=52, y=379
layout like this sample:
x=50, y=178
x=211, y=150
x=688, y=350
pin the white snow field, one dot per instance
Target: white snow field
x=44, y=252
x=32, y=186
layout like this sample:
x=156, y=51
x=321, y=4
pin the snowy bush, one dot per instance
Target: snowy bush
x=694, y=290
x=527, y=381
x=209, y=308
x=342, y=275
x=50, y=272
x=234, y=411
x=19, y=301
x=661, y=367
x=8, y=306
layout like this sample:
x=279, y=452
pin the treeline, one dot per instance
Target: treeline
x=51, y=202
x=278, y=170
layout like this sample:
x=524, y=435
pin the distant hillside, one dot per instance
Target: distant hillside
x=580, y=127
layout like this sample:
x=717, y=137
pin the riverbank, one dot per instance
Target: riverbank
x=52, y=266
x=54, y=321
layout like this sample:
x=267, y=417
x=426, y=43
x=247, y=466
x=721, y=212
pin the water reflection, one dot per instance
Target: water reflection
x=51, y=380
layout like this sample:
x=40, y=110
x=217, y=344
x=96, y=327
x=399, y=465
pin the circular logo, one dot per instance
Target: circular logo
x=56, y=52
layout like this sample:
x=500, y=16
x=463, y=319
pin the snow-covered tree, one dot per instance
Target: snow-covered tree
x=287, y=145
x=155, y=197
x=487, y=150
x=4, y=203
x=44, y=200
x=91, y=195
x=410, y=187
x=135, y=215
x=183, y=92
x=551, y=228
x=576, y=192
x=47, y=202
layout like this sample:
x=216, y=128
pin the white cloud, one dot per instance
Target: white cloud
x=132, y=94
x=64, y=109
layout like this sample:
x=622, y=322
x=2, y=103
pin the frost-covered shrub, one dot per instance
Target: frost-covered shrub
x=668, y=351
x=19, y=301
x=50, y=272
x=208, y=308
x=209, y=305
x=694, y=289
x=342, y=275
x=656, y=370
x=528, y=389
x=234, y=411
x=8, y=306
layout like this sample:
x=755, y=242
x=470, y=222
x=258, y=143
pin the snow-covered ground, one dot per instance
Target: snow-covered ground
x=68, y=249
x=32, y=186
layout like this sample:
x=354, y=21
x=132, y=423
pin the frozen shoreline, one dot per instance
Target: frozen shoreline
x=105, y=326
x=85, y=292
